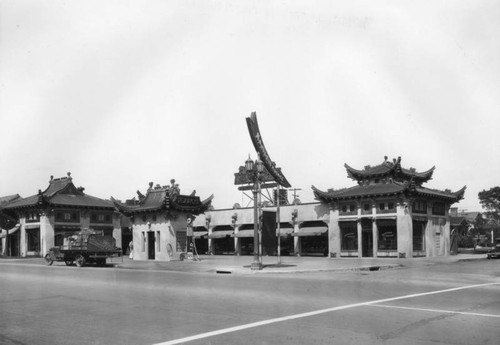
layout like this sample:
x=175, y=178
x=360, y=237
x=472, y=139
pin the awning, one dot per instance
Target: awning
x=285, y=231
x=311, y=231
x=386, y=222
x=199, y=234
x=385, y=217
x=67, y=228
x=11, y=231
x=244, y=233
x=420, y=218
x=221, y=233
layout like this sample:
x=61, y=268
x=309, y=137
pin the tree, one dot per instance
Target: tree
x=490, y=201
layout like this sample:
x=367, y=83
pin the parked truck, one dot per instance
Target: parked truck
x=84, y=247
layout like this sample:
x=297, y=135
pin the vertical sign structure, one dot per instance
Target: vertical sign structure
x=258, y=143
x=279, y=178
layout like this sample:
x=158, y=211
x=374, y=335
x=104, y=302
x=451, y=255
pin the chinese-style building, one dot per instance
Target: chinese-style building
x=388, y=213
x=160, y=220
x=48, y=217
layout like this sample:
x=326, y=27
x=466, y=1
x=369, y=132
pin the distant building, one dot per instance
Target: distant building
x=47, y=218
x=7, y=223
x=389, y=213
x=160, y=220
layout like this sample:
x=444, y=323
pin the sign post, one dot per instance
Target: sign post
x=268, y=173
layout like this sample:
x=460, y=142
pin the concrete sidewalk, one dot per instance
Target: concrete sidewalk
x=227, y=264
x=289, y=264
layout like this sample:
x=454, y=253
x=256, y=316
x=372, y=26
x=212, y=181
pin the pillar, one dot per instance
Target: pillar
x=360, y=238
x=375, y=238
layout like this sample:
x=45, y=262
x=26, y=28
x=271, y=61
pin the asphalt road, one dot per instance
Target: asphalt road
x=442, y=304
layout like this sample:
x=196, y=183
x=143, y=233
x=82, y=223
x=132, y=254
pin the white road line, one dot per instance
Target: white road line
x=313, y=313
x=435, y=310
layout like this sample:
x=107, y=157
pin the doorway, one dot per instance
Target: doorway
x=151, y=245
x=366, y=238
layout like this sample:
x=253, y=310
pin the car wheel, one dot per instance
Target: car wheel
x=80, y=260
x=48, y=260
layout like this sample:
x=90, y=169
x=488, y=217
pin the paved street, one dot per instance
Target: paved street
x=441, y=303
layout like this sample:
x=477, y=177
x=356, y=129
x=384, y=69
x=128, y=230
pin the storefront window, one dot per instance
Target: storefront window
x=387, y=235
x=349, y=233
x=33, y=237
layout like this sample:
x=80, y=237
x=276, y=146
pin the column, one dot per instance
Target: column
x=237, y=241
x=375, y=237
x=360, y=238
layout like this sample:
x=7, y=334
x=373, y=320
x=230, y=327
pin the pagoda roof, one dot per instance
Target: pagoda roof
x=61, y=192
x=386, y=189
x=360, y=191
x=389, y=169
x=164, y=198
x=8, y=198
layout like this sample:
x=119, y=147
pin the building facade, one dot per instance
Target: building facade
x=46, y=219
x=389, y=213
x=160, y=221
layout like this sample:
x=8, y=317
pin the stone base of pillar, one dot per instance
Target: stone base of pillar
x=256, y=266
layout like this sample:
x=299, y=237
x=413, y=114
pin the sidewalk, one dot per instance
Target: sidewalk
x=227, y=264
x=289, y=264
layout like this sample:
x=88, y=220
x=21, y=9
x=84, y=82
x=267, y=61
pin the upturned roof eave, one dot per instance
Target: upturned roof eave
x=329, y=197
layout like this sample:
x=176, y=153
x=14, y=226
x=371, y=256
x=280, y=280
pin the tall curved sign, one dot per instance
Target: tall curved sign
x=253, y=129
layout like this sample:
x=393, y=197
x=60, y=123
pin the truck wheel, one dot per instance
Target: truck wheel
x=48, y=260
x=80, y=260
x=68, y=262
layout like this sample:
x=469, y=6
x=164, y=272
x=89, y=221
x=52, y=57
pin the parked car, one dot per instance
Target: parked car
x=495, y=252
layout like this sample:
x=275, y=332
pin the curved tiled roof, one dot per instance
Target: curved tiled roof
x=381, y=189
x=165, y=198
x=389, y=169
x=60, y=192
x=386, y=189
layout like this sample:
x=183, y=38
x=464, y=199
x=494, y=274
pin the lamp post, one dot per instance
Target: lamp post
x=254, y=170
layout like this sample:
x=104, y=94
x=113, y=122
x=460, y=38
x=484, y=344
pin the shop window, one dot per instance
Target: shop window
x=387, y=235
x=349, y=233
x=33, y=238
x=158, y=242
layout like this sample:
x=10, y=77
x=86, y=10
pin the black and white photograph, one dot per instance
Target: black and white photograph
x=212, y=172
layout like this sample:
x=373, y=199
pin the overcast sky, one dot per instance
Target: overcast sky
x=121, y=93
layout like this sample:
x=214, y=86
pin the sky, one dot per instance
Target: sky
x=123, y=93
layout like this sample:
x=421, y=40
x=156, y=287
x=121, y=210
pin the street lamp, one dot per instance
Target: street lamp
x=254, y=170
